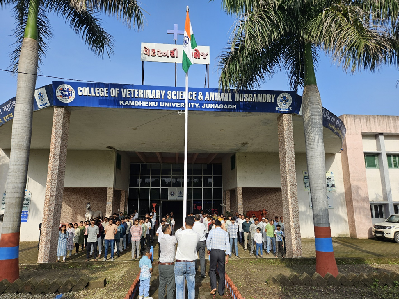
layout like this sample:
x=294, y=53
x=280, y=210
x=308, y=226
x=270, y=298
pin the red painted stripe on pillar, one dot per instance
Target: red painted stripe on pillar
x=322, y=232
x=9, y=240
x=9, y=270
x=325, y=263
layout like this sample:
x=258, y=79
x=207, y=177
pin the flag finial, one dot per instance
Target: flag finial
x=187, y=8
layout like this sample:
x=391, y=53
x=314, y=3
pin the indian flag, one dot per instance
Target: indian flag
x=189, y=44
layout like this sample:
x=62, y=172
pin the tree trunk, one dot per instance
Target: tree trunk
x=20, y=145
x=315, y=155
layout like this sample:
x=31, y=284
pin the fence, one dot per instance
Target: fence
x=134, y=288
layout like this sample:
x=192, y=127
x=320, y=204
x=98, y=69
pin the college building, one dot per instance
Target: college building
x=120, y=148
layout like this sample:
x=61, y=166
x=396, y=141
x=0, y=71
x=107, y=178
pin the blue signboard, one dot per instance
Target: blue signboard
x=106, y=95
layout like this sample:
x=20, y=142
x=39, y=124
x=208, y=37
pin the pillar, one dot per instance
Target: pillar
x=110, y=201
x=240, y=206
x=227, y=201
x=289, y=186
x=123, y=202
x=54, y=186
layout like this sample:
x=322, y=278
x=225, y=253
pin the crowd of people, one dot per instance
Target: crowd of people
x=217, y=235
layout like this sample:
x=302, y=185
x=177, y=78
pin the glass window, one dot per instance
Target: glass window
x=166, y=182
x=145, y=169
x=197, y=193
x=217, y=206
x=155, y=169
x=155, y=193
x=207, y=193
x=197, y=206
x=189, y=193
x=217, y=193
x=233, y=162
x=197, y=181
x=371, y=161
x=164, y=193
x=134, y=181
x=133, y=193
x=377, y=211
x=166, y=169
x=177, y=169
x=217, y=169
x=207, y=181
x=189, y=182
x=145, y=181
x=155, y=182
x=144, y=193
x=134, y=169
x=207, y=169
x=396, y=209
x=393, y=161
x=207, y=206
x=217, y=181
x=197, y=169
x=177, y=181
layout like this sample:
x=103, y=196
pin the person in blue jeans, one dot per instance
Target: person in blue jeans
x=186, y=255
x=258, y=241
x=145, y=275
x=232, y=229
x=110, y=231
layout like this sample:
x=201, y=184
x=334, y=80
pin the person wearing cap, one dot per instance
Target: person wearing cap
x=219, y=250
x=166, y=263
x=186, y=255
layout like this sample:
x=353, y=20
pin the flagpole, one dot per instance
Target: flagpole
x=185, y=150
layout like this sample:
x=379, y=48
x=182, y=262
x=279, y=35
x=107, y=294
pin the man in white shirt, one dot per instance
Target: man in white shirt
x=166, y=263
x=148, y=224
x=240, y=231
x=200, y=229
x=186, y=254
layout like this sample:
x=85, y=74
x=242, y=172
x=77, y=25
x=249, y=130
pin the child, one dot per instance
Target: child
x=145, y=275
x=70, y=243
x=62, y=243
x=258, y=241
x=279, y=238
x=76, y=237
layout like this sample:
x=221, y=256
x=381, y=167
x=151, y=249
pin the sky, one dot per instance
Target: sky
x=68, y=57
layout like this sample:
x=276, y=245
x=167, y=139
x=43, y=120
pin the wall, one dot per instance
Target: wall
x=255, y=199
x=75, y=199
x=258, y=170
x=90, y=169
x=338, y=214
x=369, y=143
x=391, y=143
x=374, y=186
x=394, y=179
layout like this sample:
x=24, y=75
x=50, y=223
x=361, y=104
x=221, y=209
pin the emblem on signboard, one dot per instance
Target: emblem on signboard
x=41, y=98
x=172, y=193
x=65, y=93
x=284, y=101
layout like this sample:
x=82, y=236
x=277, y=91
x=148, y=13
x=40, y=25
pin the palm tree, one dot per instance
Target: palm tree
x=274, y=35
x=31, y=33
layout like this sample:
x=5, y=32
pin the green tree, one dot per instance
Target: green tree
x=282, y=34
x=32, y=31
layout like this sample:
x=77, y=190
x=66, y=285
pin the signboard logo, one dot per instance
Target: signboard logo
x=41, y=98
x=65, y=93
x=284, y=101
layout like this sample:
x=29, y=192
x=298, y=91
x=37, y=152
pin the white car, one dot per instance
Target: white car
x=388, y=229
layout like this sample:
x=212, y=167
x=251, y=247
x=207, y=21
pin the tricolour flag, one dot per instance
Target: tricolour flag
x=189, y=44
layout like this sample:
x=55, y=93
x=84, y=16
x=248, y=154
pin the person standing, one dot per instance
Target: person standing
x=62, y=243
x=232, y=229
x=143, y=234
x=245, y=227
x=200, y=229
x=270, y=237
x=186, y=254
x=117, y=238
x=147, y=234
x=219, y=249
x=100, y=237
x=135, y=232
x=145, y=275
x=258, y=241
x=279, y=234
x=76, y=238
x=166, y=263
x=110, y=231
x=92, y=233
x=70, y=244
x=239, y=221
x=252, y=230
x=82, y=234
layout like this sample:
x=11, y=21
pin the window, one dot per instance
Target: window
x=371, y=161
x=393, y=161
x=396, y=208
x=377, y=211
x=118, y=161
x=233, y=162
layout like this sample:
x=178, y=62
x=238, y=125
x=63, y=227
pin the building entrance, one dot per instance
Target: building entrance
x=176, y=207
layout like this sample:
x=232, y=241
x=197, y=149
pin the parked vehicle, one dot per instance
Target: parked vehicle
x=388, y=229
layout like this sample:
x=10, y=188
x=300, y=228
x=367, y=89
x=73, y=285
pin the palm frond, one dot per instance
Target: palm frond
x=352, y=36
x=20, y=12
x=85, y=24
